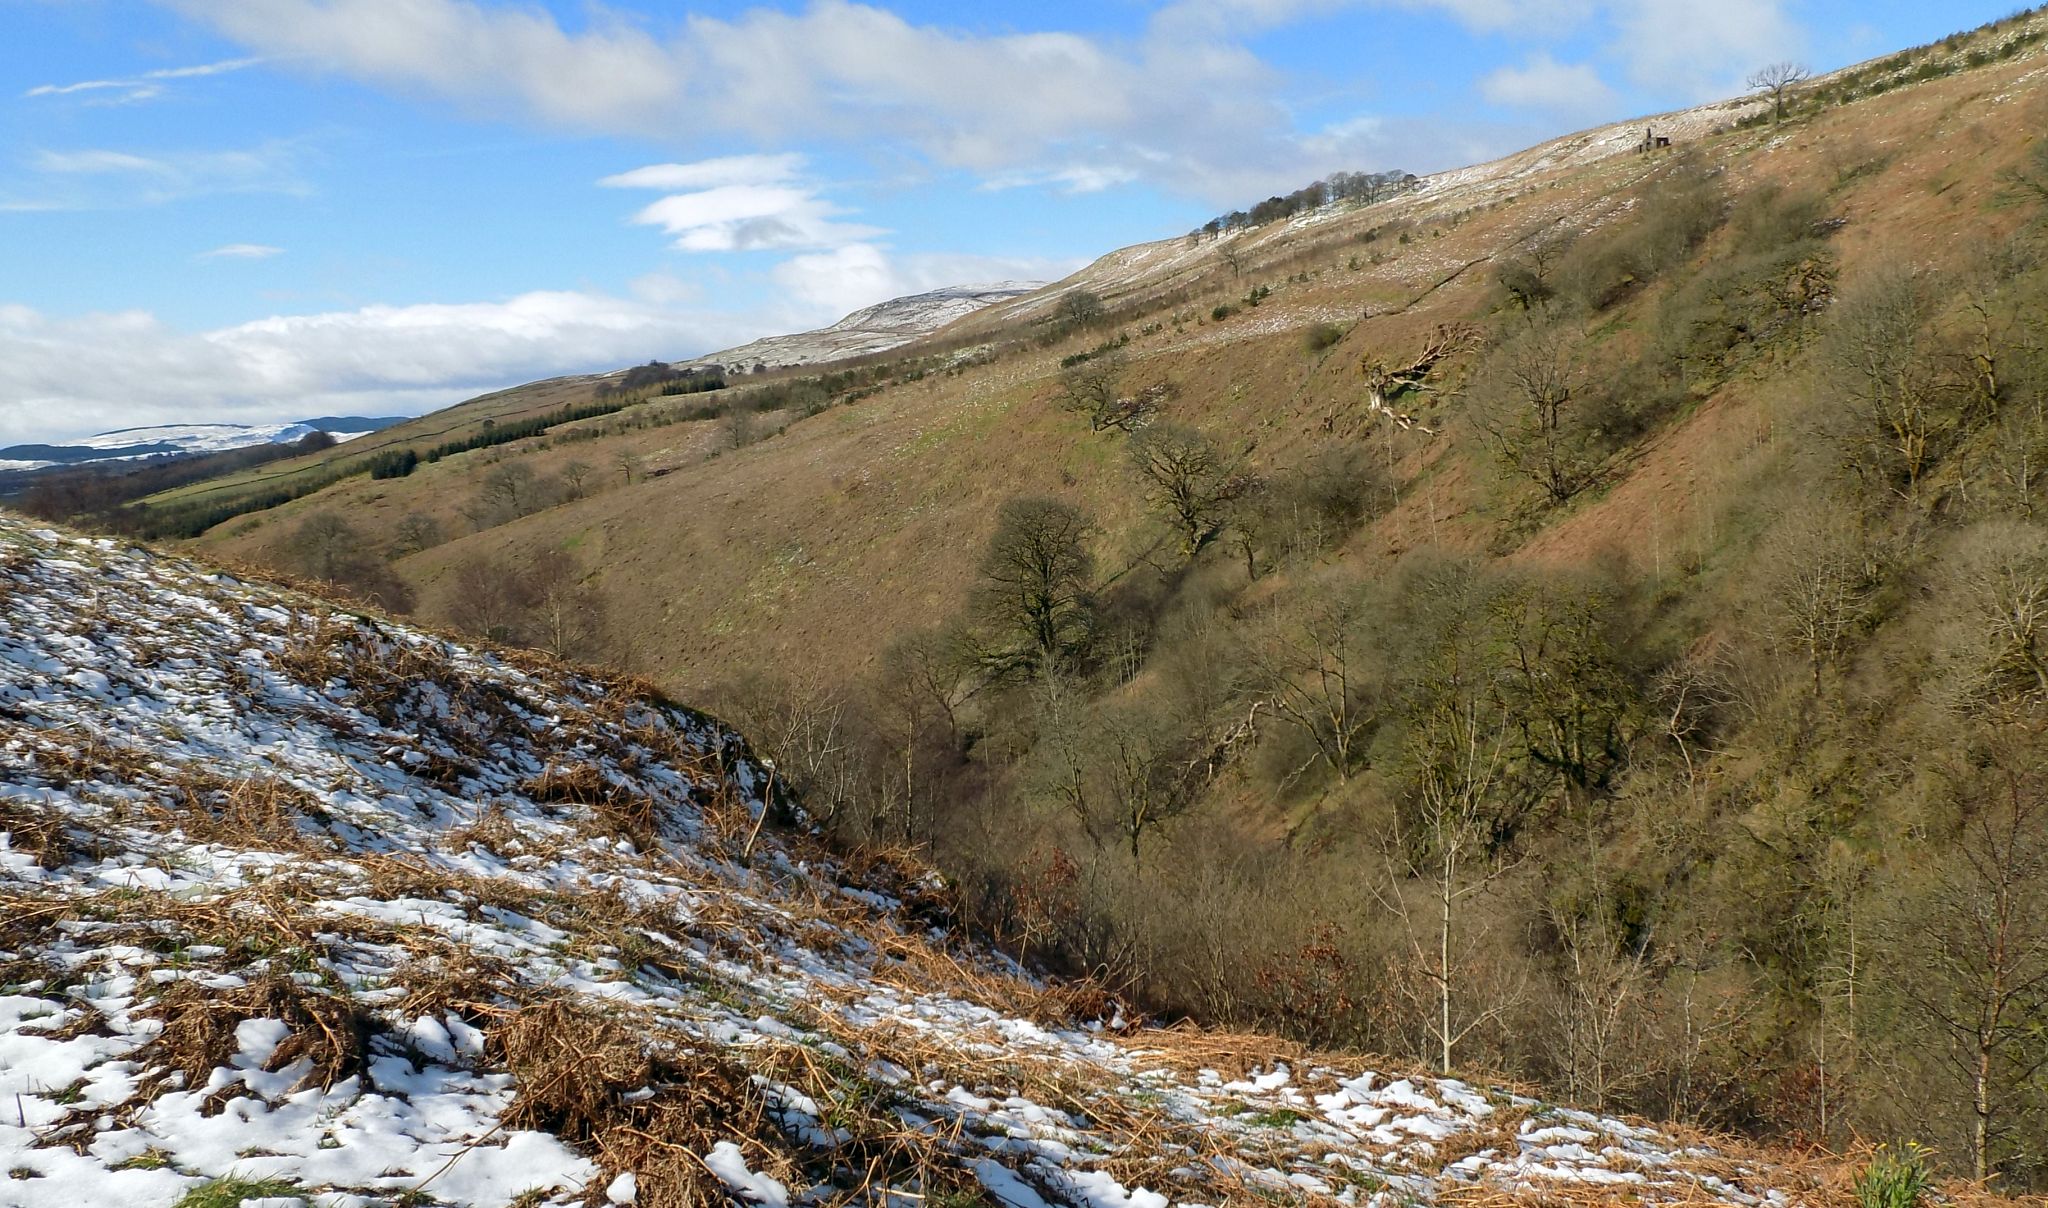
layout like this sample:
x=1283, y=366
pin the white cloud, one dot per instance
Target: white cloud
x=1545, y=84
x=65, y=377
x=144, y=86
x=241, y=251
x=1185, y=102
x=1701, y=51
x=752, y=203
x=710, y=173
x=825, y=286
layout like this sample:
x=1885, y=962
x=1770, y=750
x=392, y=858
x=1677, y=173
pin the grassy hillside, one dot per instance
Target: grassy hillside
x=1640, y=693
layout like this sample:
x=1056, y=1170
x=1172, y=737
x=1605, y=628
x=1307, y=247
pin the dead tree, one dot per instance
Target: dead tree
x=1387, y=384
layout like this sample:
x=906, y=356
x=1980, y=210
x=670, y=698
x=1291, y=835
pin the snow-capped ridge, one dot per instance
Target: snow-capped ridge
x=871, y=329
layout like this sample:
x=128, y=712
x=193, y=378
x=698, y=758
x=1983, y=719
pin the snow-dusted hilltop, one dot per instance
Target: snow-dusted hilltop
x=876, y=328
x=303, y=906
x=183, y=440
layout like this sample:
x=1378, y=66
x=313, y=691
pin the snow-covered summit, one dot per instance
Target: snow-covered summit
x=183, y=440
x=871, y=329
x=302, y=906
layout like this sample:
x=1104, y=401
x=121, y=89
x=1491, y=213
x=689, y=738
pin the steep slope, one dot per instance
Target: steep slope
x=302, y=905
x=870, y=330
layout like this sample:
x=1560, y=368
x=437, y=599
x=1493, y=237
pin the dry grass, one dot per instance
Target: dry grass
x=35, y=828
x=199, y=1033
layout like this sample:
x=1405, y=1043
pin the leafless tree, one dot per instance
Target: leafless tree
x=1034, y=605
x=1779, y=79
x=576, y=477
x=1898, y=406
x=1975, y=945
x=565, y=610
x=1092, y=389
x=325, y=545
x=511, y=490
x=1534, y=406
x=416, y=531
x=1312, y=665
x=1190, y=480
x=1464, y=744
x=1819, y=575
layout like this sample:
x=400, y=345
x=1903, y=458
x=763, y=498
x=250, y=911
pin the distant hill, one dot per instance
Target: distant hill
x=873, y=329
x=184, y=440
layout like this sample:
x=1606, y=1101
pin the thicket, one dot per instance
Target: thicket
x=1755, y=836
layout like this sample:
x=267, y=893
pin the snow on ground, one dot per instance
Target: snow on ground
x=359, y=916
x=871, y=329
x=182, y=439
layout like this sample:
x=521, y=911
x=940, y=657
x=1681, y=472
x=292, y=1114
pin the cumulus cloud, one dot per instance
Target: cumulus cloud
x=65, y=377
x=241, y=251
x=1700, y=51
x=1193, y=108
x=1543, y=83
x=1185, y=104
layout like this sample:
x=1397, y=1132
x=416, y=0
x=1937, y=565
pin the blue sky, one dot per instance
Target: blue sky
x=247, y=210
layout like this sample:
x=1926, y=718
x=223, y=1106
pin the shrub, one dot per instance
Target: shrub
x=1895, y=1178
x=1222, y=311
x=1321, y=336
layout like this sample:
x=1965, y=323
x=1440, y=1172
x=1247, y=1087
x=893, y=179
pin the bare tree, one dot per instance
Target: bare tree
x=576, y=477
x=1534, y=410
x=1779, y=79
x=1190, y=480
x=1312, y=666
x=488, y=598
x=739, y=428
x=325, y=546
x=1604, y=978
x=1975, y=946
x=1463, y=746
x=1819, y=576
x=416, y=531
x=329, y=548
x=1092, y=389
x=1898, y=410
x=1034, y=605
x=627, y=462
x=1997, y=642
x=510, y=491
x=1140, y=765
x=565, y=611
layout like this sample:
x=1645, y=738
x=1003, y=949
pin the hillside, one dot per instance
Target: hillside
x=302, y=904
x=869, y=330
x=1579, y=617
